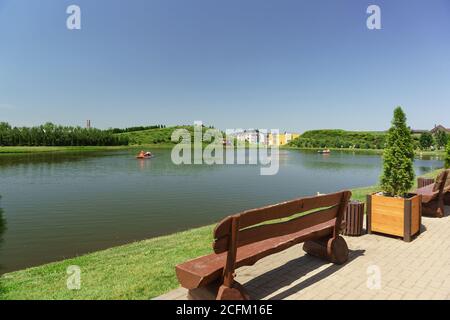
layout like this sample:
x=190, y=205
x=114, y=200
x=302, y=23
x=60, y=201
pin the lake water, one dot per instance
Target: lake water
x=62, y=205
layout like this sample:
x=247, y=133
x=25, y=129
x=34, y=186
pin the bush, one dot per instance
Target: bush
x=340, y=139
x=398, y=158
x=426, y=141
x=441, y=139
x=447, y=156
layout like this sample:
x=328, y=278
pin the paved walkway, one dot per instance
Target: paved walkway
x=379, y=268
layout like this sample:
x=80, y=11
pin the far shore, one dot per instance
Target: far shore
x=52, y=149
x=49, y=149
x=374, y=151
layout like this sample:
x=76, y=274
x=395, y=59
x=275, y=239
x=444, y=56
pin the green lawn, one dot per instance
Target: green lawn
x=437, y=153
x=21, y=150
x=35, y=150
x=140, y=270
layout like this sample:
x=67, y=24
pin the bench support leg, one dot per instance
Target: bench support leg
x=333, y=250
x=236, y=292
x=447, y=199
x=441, y=208
x=434, y=208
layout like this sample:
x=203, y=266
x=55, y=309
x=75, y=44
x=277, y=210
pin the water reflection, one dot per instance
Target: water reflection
x=49, y=158
x=63, y=205
x=2, y=225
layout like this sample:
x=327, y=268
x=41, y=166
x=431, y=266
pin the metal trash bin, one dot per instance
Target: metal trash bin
x=354, y=218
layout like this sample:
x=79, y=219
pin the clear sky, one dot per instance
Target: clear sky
x=287, y=64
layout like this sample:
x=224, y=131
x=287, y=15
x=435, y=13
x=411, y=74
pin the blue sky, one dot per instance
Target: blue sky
x=288, y=64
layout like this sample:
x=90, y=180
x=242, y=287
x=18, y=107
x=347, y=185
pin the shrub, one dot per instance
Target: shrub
x=426, y=140
x=447, y=156
x=441, y=139
x=398, y=158
x=339, y=139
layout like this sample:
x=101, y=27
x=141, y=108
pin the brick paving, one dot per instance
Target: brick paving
x=379, y=268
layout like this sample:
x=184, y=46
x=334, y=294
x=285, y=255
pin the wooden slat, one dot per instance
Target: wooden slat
x=354, y=216
x=278, y=211
x=267, y=231
x=204, y=270
x=440, y=181
x=346, y=195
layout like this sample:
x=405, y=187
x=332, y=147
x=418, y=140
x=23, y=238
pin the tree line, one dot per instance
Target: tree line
x=437, y=141
x=340, y=139
x=139, y=128
x=50, y=134
x=365, y=140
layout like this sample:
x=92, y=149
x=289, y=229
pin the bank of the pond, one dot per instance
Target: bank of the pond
x=26, y=150
x=369, y=151
x=36, y=150
x=140, y=270
x=48, y=149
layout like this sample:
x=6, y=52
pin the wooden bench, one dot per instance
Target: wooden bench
x=436, y=195
x=244, y=238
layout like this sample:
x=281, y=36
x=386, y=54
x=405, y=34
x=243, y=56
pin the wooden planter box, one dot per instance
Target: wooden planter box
x=394, y=216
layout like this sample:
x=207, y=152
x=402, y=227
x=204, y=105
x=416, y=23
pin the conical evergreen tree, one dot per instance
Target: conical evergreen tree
x=398, y=158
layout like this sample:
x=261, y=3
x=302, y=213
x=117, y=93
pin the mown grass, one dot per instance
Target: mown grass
x=21, y=150
x=140, y=270
x=436, y=153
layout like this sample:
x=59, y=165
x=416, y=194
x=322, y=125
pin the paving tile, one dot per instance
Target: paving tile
x=416, y=270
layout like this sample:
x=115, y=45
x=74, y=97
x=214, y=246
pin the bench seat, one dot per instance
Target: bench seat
x=427, y=193
x=204, y=270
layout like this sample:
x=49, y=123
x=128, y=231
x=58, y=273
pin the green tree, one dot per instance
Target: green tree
x=426, y=140
x=398, y=158
x=447, y=156
x=50, y=134
x=441, y=139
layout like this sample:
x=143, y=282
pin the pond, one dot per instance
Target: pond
x=55, y=206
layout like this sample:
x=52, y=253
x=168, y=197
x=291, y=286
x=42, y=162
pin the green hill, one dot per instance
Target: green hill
x=336, y=138
x=341, y=139
x=156, y=136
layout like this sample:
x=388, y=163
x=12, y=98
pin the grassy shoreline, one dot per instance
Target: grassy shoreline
x=439, y=153
x=139, y=270
x=37, y=150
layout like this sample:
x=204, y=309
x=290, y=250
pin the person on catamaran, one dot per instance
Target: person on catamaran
x=141, y=154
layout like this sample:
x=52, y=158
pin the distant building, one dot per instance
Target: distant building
x=438, y=128
x=281, y=139
x=88, y=124
x=416, y=131
x=256, y=136
x=252, y=136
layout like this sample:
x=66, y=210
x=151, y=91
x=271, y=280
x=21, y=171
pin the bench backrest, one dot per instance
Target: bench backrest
x=442, y=181
x=253, y=225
